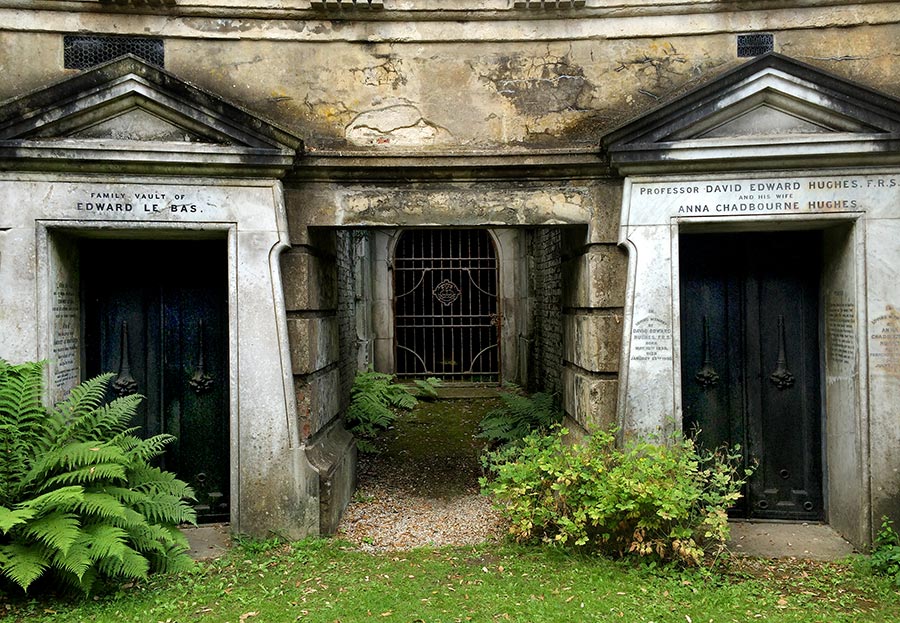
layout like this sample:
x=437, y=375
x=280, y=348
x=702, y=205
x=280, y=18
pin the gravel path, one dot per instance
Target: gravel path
x=421, y=489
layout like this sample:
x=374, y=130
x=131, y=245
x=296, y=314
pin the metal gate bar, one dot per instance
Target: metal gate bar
x=447, y=321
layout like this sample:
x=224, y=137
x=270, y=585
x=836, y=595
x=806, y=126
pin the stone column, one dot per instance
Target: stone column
x=310, y=291
x=593, y=297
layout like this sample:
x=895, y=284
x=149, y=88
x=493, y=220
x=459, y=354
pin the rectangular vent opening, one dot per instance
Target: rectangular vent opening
x=755, y=44
x=86, y=51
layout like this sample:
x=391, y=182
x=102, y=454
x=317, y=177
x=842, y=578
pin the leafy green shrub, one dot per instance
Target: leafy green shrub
x=374, y=400
x=886, y=551
x=518, y=417
x=667, y=502
x=78, y=499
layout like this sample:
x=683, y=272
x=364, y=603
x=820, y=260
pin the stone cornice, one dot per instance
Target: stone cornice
x=401, y=21
x=460, y=165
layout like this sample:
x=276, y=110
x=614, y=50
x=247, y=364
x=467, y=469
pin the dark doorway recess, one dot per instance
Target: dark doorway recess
x=446, y=313
x=156, y=315
x=750, y=365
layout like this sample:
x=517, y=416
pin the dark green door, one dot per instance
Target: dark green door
x=750, y=365
x=155, y=314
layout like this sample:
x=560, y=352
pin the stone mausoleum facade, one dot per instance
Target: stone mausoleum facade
x=676, y=215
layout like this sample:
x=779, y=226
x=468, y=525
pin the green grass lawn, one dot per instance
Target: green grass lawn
x=327, y=580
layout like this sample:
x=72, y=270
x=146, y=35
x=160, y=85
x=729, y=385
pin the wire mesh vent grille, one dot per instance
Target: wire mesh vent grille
x=86, y=51
x=755, y=44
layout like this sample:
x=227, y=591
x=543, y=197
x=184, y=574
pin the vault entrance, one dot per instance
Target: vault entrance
x=156, y=315
x=750, y=343
x=446, y=309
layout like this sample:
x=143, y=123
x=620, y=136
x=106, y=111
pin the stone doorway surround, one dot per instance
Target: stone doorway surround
x=126, y=150
x=775, y=145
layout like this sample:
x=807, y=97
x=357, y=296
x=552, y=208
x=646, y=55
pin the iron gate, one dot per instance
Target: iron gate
x=447, y=320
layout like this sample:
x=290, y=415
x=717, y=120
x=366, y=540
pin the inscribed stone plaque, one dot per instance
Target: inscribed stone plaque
x=65, y=334
x=884, y=343
x=651, y=340
x=840, y=317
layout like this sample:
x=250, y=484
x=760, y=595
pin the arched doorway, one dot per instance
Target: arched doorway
x=446, y=311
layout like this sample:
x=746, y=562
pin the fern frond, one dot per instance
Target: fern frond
x=11, y=518
x=147, y=449
x=132, y=565
x=56, y=530
x=104, y=541
x=72, y=456
x=75, y=562
x=153, y=481
x=106, y=420
x=101, y=505
x=88, y=475
x=175, y=559
x=82, y=401
x=64, y=499
x=22, y=564
x=22, y=422
x=165, y=509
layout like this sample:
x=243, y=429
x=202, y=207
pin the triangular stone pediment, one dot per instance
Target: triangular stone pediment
x=129, y=110
x=137, y=124
x=757, y=112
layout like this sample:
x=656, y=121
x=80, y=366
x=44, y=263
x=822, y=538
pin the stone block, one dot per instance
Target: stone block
x=595, y=279
x=310, y=283
x=590, y=400
x=593, y=342
x=313, y=343
x=318, y=401
x=606, y=211
x=334, y=457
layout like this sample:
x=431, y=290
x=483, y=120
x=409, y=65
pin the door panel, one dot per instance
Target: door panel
x=156, y=316
x=758, y=294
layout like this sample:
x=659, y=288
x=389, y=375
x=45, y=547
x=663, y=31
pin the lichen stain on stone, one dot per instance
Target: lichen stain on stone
x=398, y=124
x=659, y=69
x=539, y=85
x=386, y=73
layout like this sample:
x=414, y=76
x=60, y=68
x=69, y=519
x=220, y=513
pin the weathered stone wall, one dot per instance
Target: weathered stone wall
x=438, y=80
x=546, y=286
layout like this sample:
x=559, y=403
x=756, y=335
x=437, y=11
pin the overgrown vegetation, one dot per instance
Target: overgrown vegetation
x=885, y=558
x=78, y=498
x=375, y=401
x=660, y=501
x=519, y=416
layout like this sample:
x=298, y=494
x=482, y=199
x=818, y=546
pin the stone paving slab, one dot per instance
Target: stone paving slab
x=208, y=541
x=809, y=541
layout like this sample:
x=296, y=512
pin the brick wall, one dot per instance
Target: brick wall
x=351, y=260
x=546, y=285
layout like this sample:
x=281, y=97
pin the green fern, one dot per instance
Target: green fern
x=518, y=417
x=374, y=400
x=78, y=499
